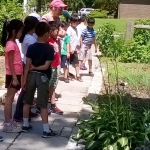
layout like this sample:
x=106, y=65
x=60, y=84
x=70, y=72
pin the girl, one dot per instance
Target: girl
x=12, y=30
x=28, y=37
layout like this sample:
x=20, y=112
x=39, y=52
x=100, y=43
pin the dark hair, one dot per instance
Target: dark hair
x=83, y=18
x=74, y=17
x=91, y=20
x=54, y=25
x=7, y=29
x=41, y=28
x=64, y=24
x=29, y=24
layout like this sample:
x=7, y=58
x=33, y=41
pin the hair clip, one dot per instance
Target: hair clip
x=8, y=21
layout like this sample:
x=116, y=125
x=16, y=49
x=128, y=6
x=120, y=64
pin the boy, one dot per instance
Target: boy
x=65, y=52
x=80, y=28
x=54, y=30
x=74, y=40
x=87, y=39
x=39, y=55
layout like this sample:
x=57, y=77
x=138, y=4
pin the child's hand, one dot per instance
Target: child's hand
x=15, y=82
x=24, y=85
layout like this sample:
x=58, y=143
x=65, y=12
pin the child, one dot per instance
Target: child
x=65, y=52
x=74, y=40
x=80, y=28
x=54, y=30
x=26, y=39
x=12, y=30
x=39, y=55
x=87, y=39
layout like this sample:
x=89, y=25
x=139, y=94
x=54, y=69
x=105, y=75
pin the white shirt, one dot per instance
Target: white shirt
x=27, y=41
x=80, y=28
x=73, y=33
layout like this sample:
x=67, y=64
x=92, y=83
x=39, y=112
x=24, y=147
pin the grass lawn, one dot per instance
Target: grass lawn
x=120, y=24
x=136, y=75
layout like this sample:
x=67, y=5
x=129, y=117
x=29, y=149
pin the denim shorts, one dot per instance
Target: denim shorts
x=39, y=81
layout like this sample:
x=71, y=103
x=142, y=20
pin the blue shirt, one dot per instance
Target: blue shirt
x=88, y=35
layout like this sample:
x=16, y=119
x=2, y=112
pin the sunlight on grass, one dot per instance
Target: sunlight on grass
x=136, y=75
x=120, y=24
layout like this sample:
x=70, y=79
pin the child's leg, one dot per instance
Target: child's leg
x=52, y=86
x=8, y=104
x=18, y=114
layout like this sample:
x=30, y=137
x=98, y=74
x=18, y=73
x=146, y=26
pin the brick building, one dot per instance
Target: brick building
x=134, y=9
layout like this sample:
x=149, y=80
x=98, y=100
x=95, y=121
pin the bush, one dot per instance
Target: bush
x=9, y=10
x=109, y=45
x=97, y=13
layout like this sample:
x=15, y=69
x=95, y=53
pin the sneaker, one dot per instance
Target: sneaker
x=49, y=134
x=91, y=73
x=13, y=127
x=1, y=138
x=26, y=129
x=56, y=110
x=83, y=68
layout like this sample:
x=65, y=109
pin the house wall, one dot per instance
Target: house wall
x=134, y=9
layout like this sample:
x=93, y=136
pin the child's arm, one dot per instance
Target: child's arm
x=68, y=50
x=42, y=67
x=95, y=45
x=10, y=63
x=26, y=70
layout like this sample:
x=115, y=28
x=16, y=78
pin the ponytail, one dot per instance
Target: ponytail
x=4, y=33
x=8, y=27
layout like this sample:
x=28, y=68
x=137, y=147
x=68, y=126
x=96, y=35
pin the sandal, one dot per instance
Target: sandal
x=79, y=79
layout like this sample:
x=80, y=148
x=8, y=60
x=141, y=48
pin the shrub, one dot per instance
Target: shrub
x=97, y=13
x=109, y=45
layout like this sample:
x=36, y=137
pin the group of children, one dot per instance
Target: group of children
x=45, y=47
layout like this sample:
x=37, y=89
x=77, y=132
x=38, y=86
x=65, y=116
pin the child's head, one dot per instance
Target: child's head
x=29, y=26
x=64, y=25
x=74, y=20
x=42, y=30
x=11, y=30
x=83, y=18
x=90, y=22
x=54, y=29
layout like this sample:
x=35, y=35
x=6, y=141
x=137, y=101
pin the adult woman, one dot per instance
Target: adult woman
x=56, y=8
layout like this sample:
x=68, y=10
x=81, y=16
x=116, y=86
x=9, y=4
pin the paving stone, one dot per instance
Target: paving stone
x=66, y=132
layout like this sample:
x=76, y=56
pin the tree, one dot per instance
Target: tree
x=109, y=5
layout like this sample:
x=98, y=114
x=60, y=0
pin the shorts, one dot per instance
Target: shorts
x=64, y=61
x=39, y=81
x=85, y=52
x=74, y=58
x=54, y=77
x=8, y=82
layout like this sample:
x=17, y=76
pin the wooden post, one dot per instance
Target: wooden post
x=129, y=31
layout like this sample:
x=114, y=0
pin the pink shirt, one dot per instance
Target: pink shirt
x=12, y=46
x=55, y=45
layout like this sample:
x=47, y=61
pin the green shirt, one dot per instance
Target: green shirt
x=64, y=42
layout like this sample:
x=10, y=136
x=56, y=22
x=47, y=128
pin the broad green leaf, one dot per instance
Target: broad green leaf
x=123, y=141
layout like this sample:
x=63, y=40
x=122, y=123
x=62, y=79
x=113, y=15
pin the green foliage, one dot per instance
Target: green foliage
x=9, y=10
x=114, y=124
x=97, y=13
x=109, y=45
x=139, y=49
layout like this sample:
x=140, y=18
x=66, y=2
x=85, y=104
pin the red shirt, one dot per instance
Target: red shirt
x=55, y=44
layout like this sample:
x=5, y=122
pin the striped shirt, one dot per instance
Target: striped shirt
x=88, y=35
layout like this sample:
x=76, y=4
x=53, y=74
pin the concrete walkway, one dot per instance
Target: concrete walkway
x=72, y=105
